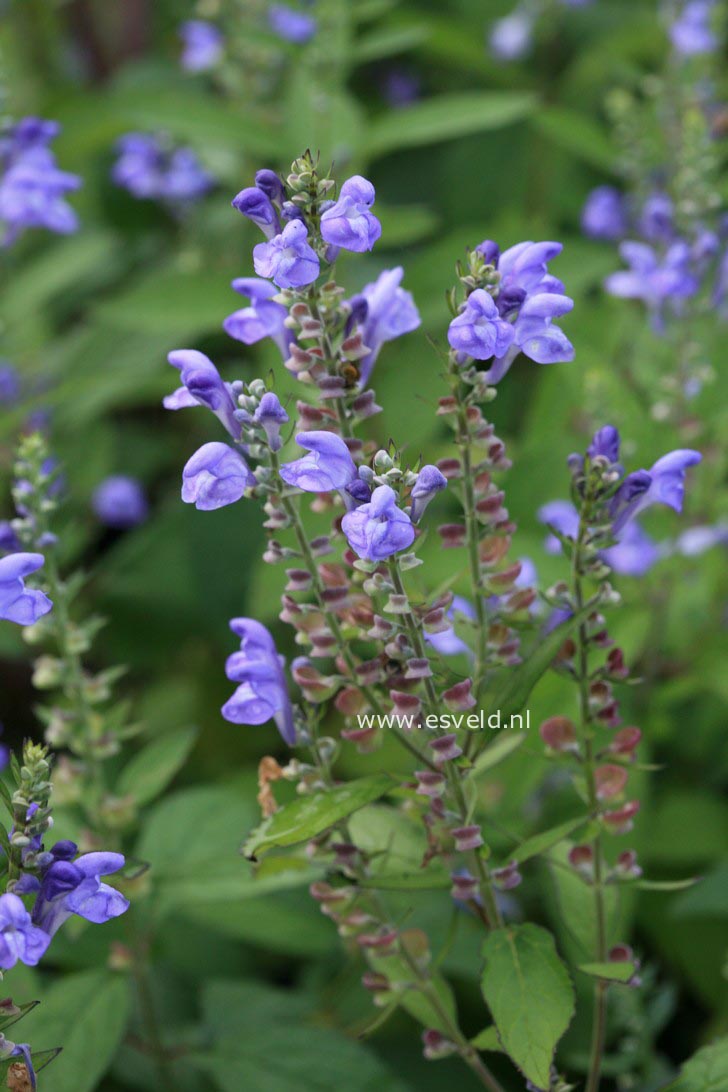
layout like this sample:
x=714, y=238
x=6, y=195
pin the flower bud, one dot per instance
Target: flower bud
x=559, y=735
x=459, y=697
x=610, y=781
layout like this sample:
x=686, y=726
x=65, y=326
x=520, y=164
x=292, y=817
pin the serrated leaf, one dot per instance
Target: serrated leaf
x=547, y=839
x=517, y=685
x=574, y=913
x=446, y=117
x=151, y=769
x=707, y=1071
x=610, y=972
x=308, y=816
x=530, y=996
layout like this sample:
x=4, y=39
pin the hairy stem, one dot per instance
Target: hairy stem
x=600, y=989
x=492, y=915
x=333, y=622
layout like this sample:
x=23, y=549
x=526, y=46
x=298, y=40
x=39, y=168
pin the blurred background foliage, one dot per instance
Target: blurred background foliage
x=486, y=150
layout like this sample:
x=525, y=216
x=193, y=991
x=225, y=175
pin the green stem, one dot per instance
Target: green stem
x=472, y=535
x=333, y=623
x=466, y=1051
x=490, y=905
x=600, y=991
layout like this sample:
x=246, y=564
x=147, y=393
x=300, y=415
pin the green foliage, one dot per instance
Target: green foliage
x=309, y=816
x=706, y=1072
x=530, y=996
x=86, y=1014
x=280, y=1045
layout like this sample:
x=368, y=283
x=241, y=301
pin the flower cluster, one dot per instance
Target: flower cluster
x=150, y=167
x=630, y=551
x=33, y=189
x=372, y=645
x=59, y=881
x=515, y=310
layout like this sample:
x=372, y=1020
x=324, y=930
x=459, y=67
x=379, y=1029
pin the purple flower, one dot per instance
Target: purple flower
x=149, y=169
x=691, y=32
x=401, y=88
x=9, y=541
x=656, y=222
x=262, y=694
x=271, y=416
x=271, y=185
x=390, y=313
x=429, y=482
x=329, y=465
x=633, y=554
x=605, y=444
x=378, y=529
x=291, y=25
x=74, y=887
x=263, y=318
x=654, y=279
x=511, y=37
x=19, y=938
x=478, y=330
x=18, y=603
x=696, y=540
x=663, y=483
x=202, y=386
x=9, y=384
x=256, y=206
x=215, y=476
x=203, y=45
x=349, y=223
x=529, y=298
x=120, y=501
x=32, y=188
x=287, y=259
x=604, y=215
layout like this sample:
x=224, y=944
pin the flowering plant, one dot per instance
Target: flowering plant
x=375, y=671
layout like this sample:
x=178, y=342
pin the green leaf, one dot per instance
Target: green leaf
x=433, y=1009
x=530, y=996
x=264, y=1039
x=428, y=879
x=487, y=1039
x=707, y=1071
x=446, y=117
x=86, y=1015
x=152, y=768
x=388, y=40
x=579, y=134
x=517, y=685
x=668, y=885
x=532, y=847
x=308, y=816
x=503, y=746
x=574, y=912
x=610, y=972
